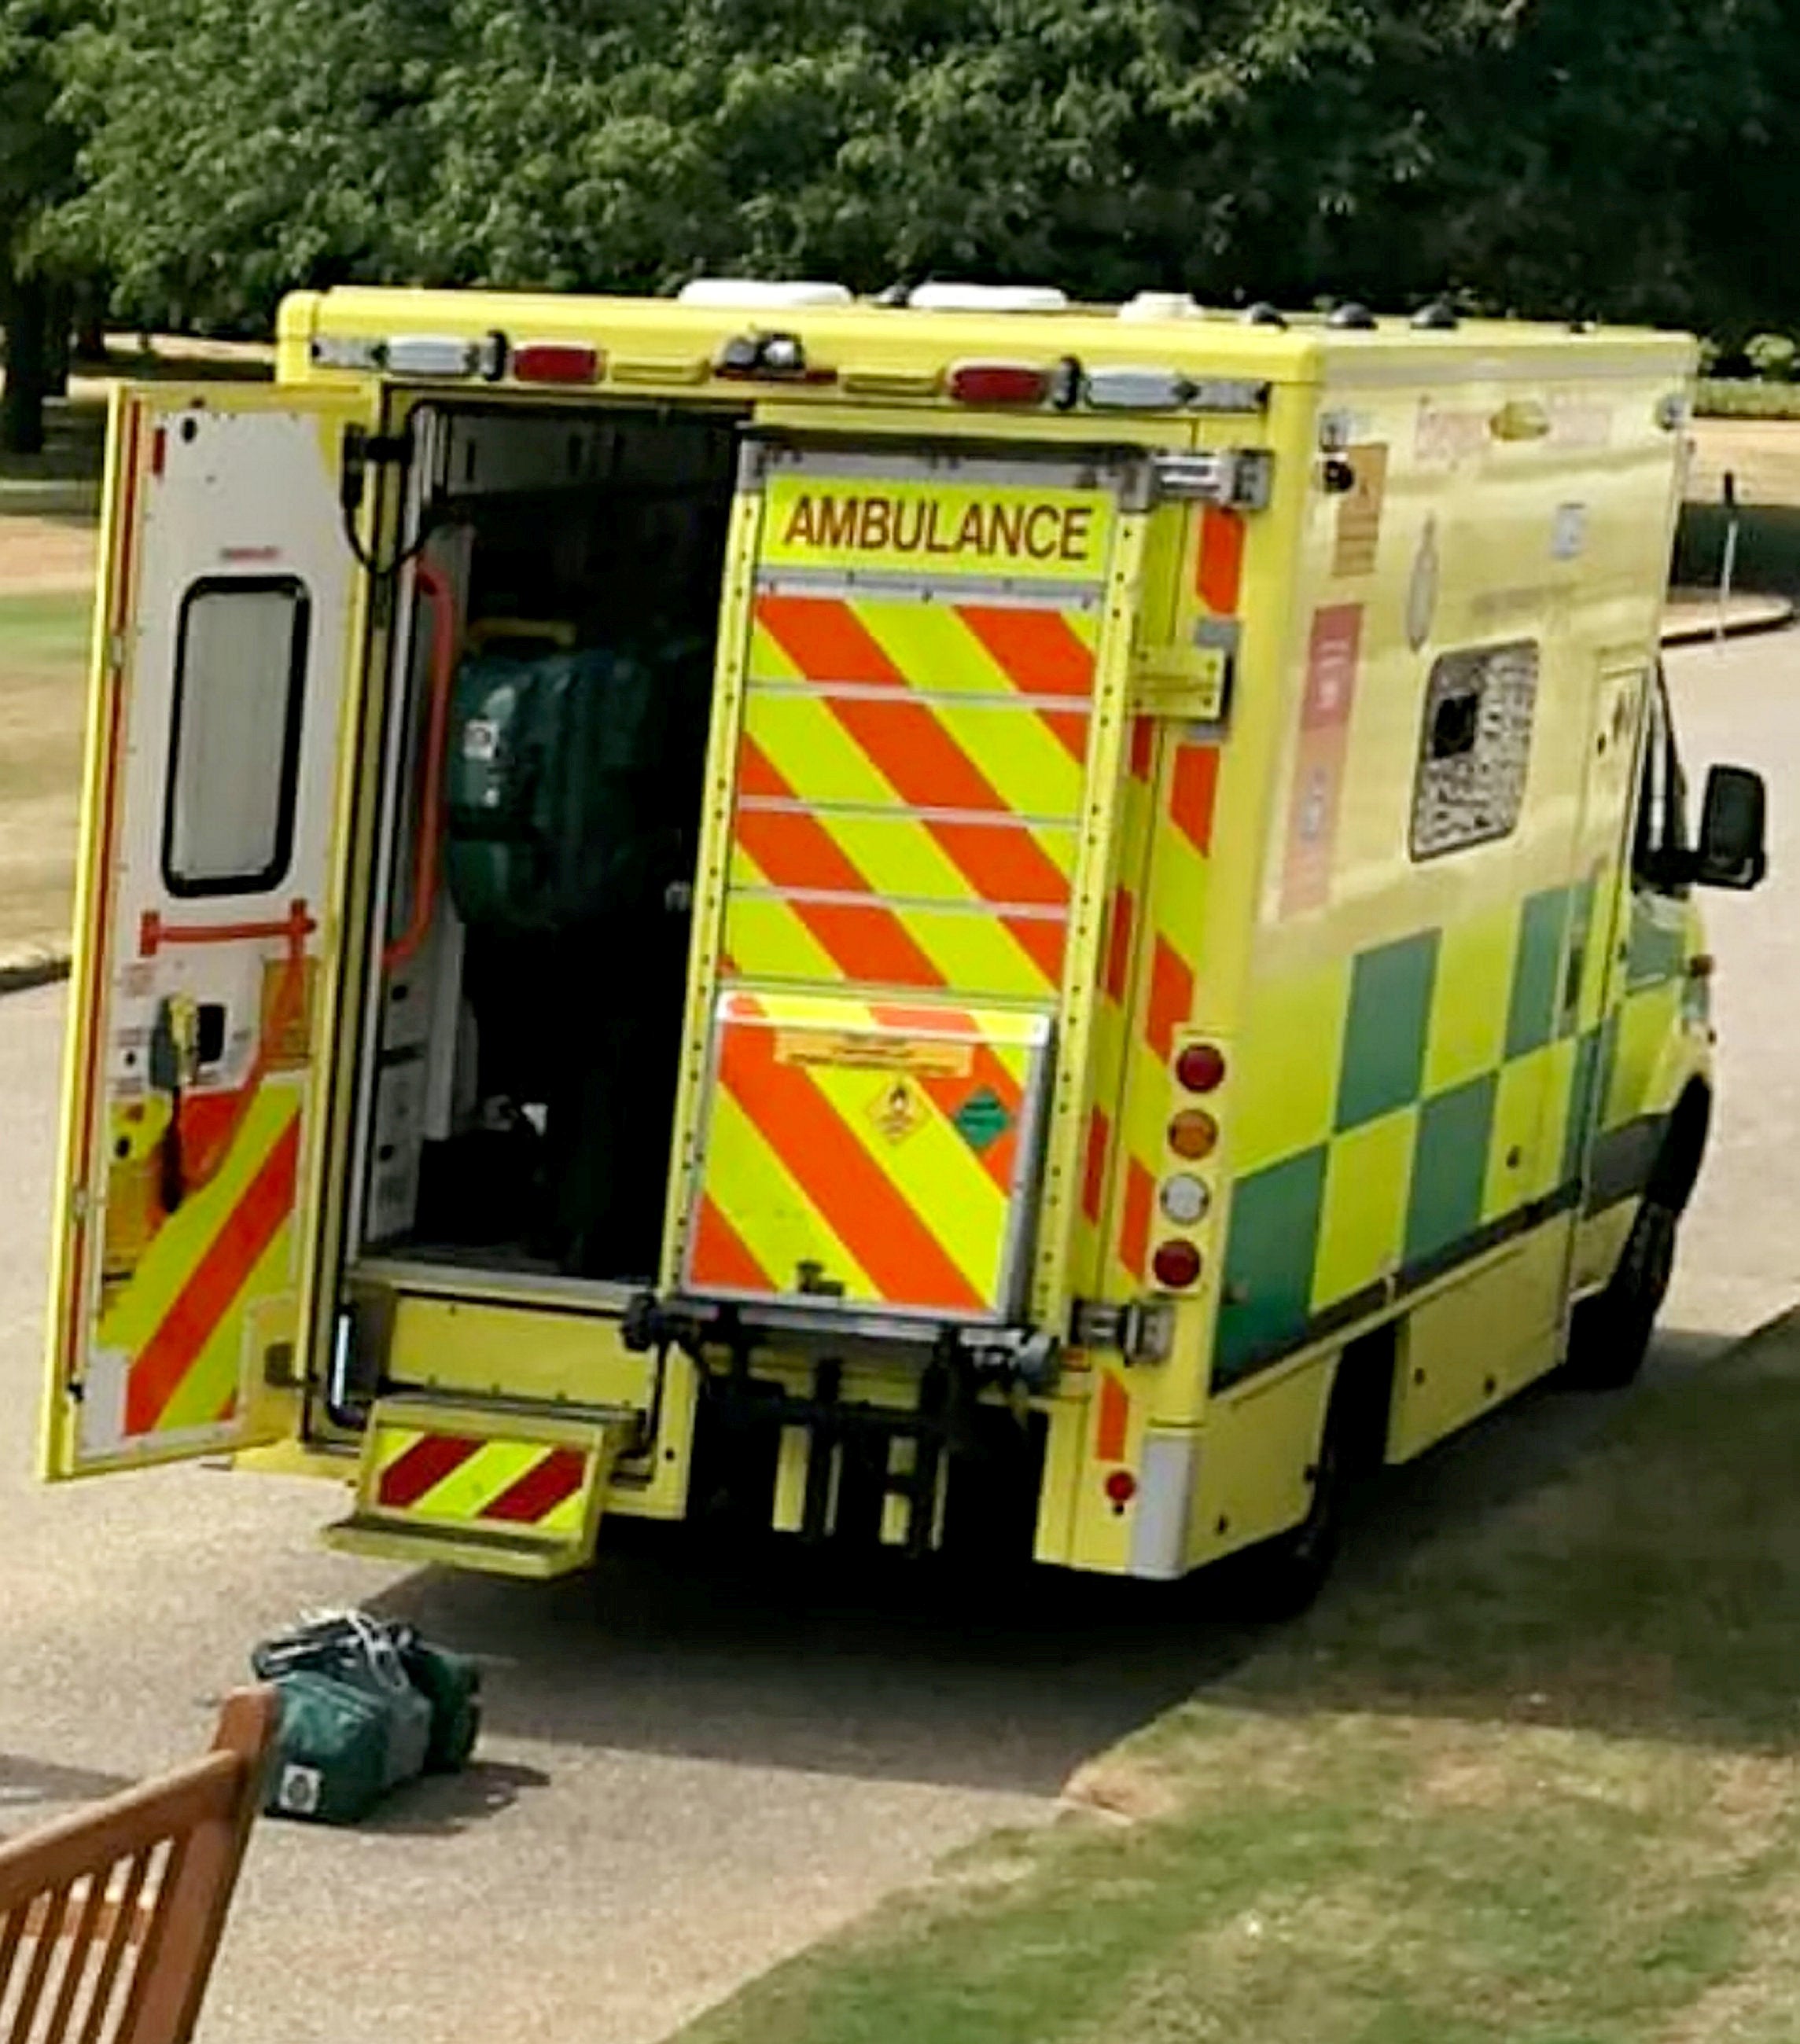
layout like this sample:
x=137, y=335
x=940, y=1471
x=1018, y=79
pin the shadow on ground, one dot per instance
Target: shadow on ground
x=1008, y=1682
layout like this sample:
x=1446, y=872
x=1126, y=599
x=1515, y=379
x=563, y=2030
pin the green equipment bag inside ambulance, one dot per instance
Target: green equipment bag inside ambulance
x=545, y=780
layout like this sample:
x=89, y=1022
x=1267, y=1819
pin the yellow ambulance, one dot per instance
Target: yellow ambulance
x=960, y=921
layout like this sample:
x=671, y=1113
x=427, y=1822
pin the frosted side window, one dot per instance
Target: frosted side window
x=1475, y=750
x=240, y=671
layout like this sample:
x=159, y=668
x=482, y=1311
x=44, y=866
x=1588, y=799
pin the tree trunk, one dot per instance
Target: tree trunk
x=21, y=403
x=58, y=338
x=90, y=321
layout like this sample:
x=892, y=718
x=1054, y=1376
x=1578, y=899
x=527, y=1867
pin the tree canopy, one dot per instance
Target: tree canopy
x=1618, y=157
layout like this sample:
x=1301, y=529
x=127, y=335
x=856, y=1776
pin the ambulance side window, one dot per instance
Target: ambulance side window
x=1661, y=829
x=234, y=749
x=1475, y=747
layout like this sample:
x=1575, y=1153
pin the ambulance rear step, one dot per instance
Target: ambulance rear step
x=509, y=1490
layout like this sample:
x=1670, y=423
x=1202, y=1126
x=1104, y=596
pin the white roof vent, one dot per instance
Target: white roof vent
x=988, y=298
x=758, y=294
x=1161, y=305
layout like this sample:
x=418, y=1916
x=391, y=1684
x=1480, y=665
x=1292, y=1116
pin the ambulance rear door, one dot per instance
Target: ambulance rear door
x=230, y=631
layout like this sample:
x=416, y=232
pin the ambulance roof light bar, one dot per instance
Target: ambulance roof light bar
x=987, y=298
x=759, y=295
x=1161, y=305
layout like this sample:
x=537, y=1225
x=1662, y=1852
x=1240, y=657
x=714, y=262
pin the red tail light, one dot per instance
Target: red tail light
x=1176, y=1266
x=1121, y=1488
x=556, y=362
x=998, y=383
x=1201, y=1068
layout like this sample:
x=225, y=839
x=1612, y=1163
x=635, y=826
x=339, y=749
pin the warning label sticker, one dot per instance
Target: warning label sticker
x=930, y=1057
x=899, y=1109
x=1358, y=512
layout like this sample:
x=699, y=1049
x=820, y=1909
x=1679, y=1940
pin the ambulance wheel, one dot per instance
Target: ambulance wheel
x=1610, y=1334
x=1281, y=1577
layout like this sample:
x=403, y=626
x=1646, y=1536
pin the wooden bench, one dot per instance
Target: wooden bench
x=109, y=1919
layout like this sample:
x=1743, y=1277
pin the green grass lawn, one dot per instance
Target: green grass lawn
x=43, y=661
x=1540, y=1788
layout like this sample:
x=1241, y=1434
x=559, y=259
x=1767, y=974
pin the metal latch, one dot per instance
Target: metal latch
x=1141, y=1332
x=1239, y=478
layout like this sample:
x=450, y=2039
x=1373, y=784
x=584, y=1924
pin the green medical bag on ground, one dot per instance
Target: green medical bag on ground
x=451, y=1683
x=365, y=1705
x=331, y=1752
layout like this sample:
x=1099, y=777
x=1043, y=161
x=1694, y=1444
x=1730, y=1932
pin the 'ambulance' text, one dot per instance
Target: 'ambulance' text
x=900, y=525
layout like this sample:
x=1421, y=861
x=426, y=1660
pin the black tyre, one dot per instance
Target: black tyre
x=1610, y=1334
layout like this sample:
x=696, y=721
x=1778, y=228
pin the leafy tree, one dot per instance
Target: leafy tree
x=1539, y=155
x=236, y=148
x=37, y=164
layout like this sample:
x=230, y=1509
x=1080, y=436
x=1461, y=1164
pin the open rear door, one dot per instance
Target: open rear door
x=231, y=626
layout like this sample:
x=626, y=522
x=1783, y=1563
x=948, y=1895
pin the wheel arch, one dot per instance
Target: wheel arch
x=1676, y=1170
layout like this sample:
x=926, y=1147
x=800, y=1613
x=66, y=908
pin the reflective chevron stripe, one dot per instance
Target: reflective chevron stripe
x=465, y=1479
x=867, y=1153
x=909, y=781
x=180, y=1313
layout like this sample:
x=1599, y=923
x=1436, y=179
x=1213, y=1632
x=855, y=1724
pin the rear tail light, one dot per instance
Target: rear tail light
x=1194, y=1134
x=1121, y=1488
x=998, y=383
x=555, y=362
x=1201, y=1068
x=1176, y=1266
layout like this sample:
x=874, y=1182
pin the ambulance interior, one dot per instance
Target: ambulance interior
x=523, y=1062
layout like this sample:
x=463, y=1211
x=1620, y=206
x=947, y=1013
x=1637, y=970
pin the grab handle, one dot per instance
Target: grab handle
x=435, y=586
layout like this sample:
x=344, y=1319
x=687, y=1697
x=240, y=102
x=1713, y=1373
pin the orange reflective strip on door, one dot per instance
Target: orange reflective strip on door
x=157, y=1371
x=1218, y=560
x=1035, y=648
x=721, y=1258
x=1112, y=1425
x=1171, y=998
x=826, y=640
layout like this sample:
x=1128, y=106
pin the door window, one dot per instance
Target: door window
x=240, y=663
x=1660, y=835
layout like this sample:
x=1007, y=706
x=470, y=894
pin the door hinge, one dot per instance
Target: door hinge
x=1236, y=478
x=1141, y=1332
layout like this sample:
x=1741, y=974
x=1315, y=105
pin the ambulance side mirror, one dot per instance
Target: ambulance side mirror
x=1731, y=852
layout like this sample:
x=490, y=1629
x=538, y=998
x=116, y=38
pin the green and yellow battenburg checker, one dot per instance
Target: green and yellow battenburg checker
x=1087, y=915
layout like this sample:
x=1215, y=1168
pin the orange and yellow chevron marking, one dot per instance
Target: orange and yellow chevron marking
x=909, y=780
x=1111, y=1030
x=862, y=1151
x=1218, y=560
x=181, y=1314
x=1112, y=1418
x=462, y=1479
x=1164, y=985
